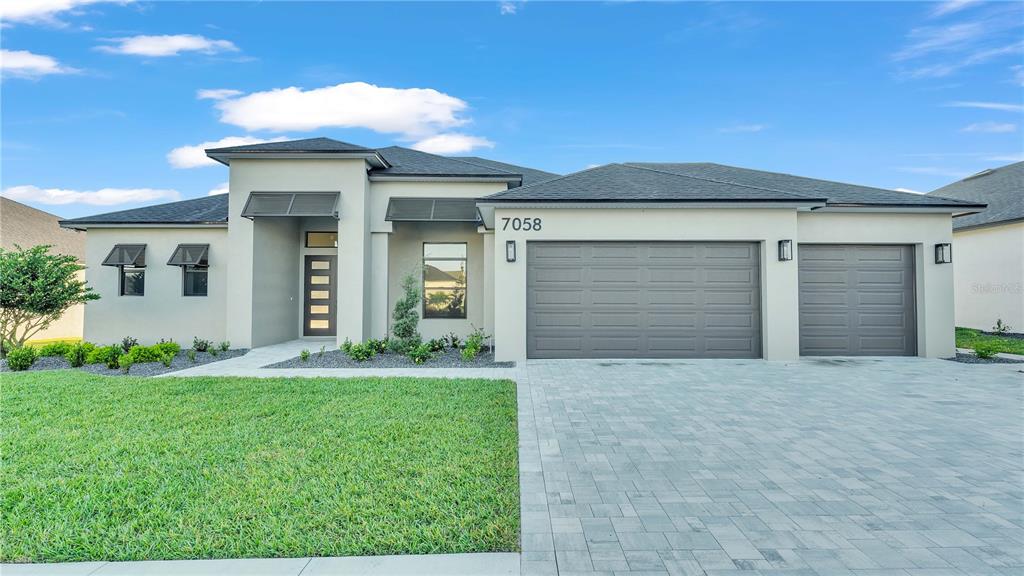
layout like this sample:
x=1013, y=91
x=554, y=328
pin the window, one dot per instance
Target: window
x=444, y=280
x=321, y=239
x=194, y=279
x=133, y=281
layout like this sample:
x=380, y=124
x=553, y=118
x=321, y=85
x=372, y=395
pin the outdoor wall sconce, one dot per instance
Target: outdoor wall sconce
x=785, y=250
x=943, y=253
x=510, y=250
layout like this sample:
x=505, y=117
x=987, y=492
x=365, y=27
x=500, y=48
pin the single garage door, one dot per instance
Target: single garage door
x=857, y=300
x=643, y=300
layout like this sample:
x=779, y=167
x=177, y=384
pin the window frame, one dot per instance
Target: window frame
x=465, y=271
x=184, y=280
x=308, y=232
x=121, y=283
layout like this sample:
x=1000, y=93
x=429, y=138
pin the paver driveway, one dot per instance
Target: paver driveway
x=901, y=466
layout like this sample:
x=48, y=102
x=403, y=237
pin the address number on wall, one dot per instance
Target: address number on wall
x=518, y=224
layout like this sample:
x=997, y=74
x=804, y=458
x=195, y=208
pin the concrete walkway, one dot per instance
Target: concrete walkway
x=498, y=564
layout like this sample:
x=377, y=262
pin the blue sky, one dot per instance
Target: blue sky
x=899, y=95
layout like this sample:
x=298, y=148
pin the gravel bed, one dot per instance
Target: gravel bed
x=972, y=359
x=338, y=359
x=180, y=362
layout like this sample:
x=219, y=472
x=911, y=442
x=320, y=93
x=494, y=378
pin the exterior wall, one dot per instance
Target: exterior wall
x=988, y=268
x=934, y=284
x=162, y=312
x=779, y=299
x=406, y=256
x=276, y=304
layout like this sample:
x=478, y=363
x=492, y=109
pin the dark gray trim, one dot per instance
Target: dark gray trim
x=251, y=211
x=133, y=255
x=197, y=255
x=120, y=280
x=413, y=209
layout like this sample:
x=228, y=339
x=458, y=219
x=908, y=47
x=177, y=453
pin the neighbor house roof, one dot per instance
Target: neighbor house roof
x=706, y=182
x=26, y=226
x=206, y=210
x=1001, y=188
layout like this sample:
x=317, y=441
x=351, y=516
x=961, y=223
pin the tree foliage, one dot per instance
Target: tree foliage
x=405, y=316
x=36, y=288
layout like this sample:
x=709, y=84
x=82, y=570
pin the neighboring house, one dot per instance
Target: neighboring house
x=988, y=249
x=622, y=260
x=24, y=226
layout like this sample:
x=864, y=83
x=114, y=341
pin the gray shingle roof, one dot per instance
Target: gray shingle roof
x=642, y=181
x=635, y=183
x=1001, y=188
x=409, y=162
x=304, y=145
x=530, y=175
x=206, y=210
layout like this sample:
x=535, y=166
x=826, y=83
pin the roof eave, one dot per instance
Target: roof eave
x=83, y=225
x=372, y=157
x=649, y=203
x=446, y=177
x=992, y=224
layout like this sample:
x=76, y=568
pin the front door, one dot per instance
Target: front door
x=319, y=315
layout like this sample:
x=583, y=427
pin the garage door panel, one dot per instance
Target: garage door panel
x=857, y=300
x=645, y=300
x=557, y=275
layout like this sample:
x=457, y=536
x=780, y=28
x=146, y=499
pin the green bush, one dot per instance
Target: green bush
x=304, y=355
x=406, y=317
x=125, y=362
x=346, y=346
x=474, y=344
x=105, y=355
x=21, y=358
x=437, y=345
x=224, y=346
x=361, y=352
x=168, y=347
x=78, y=353
x=986, y=349
x=166, y=360
x=127, y=343
x=378, y=346
x=191, y=355
x=142, y=354
x=421, y=353
x=55, y=349
x=200, y=345
x=453, y=340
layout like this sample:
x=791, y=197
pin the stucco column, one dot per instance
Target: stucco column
x=239, y=263
x=488, y=281
x=354, y=258
x=379, y=242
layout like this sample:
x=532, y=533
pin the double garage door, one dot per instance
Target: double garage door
x=702, y=300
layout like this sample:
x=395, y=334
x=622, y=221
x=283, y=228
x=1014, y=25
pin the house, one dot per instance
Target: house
x=988, y=270
x=623, y=260
x=24, y=226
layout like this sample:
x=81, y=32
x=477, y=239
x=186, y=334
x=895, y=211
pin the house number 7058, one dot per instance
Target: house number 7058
x=521, y=223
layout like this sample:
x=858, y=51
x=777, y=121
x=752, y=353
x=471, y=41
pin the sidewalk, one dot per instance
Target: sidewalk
x=491, y=564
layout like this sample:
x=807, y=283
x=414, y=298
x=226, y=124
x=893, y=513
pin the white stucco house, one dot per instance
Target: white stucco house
x=988, y=270
x=628, y=260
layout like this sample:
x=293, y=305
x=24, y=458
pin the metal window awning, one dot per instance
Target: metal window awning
x=190, y=255
x=432, y=210
x=126, y=255
x=291, y=204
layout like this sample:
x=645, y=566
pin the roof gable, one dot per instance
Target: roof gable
x=206, y=210
x=304, y=145
x=1001, y=188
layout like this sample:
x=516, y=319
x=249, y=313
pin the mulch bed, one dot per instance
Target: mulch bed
x=338, y=359
x=972, y=359
x=180, y=362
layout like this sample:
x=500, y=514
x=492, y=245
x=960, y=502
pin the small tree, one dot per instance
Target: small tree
x=406, y=316
x=36, y=287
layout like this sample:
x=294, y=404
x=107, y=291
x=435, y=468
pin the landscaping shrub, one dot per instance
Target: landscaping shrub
x=21, y=358
x=200, y=345
x=143, y=354
x=420, y=353
x=437, y=345
x=986, y=349
x=127, y=343
x=1000, y=327
x=304, y=355
x=474, y=344
x=361, y=352
x=106, y=355
x=168, y=347
x=406, y=317
x=346, y=346
x=125, y=362
x=54, y=349
x=224, y=346
x=191, y=355
x=166, y=360
x=79, y=353
x=453, y=340
x=213, y=352
x=378, y=346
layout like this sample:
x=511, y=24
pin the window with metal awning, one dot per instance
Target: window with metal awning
x=291, y=204
x=190, y=255
x=126, y=255
x=432, y=210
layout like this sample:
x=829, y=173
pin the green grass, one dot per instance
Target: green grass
x=967, y=338
x=100, y=468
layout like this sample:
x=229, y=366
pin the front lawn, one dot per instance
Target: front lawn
x=101, y=468
x=968, y=338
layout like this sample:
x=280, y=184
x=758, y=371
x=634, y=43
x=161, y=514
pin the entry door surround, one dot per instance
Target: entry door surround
x=319, y=305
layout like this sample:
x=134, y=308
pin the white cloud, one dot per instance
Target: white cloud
x=168, y=45
x=908, y=190
x=452, y=143
x=194, y=156
x=743, y=128
x=24, y=64
x=217, y=93
x=102, y=197
x=1002, y=106
x=221, y=188
x=951, y=6
x=415, y=113
x=508, y=8
x=42, y=11
x=990, y=127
